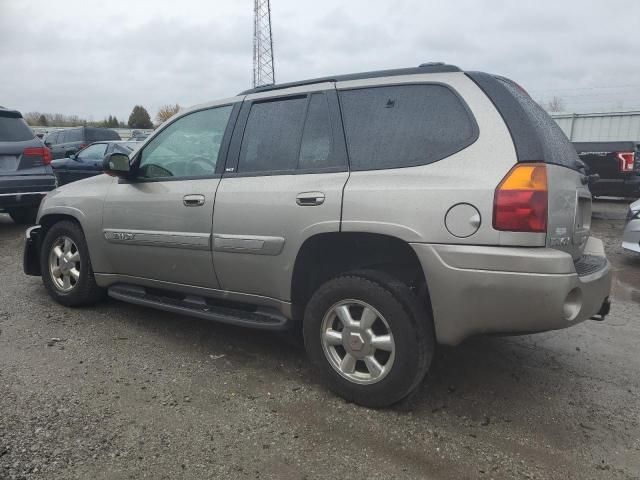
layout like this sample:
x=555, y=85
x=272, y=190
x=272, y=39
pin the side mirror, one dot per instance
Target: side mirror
x=73, y=156
x=117, y=165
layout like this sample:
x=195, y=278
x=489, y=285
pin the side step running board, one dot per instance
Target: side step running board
x=194, y=306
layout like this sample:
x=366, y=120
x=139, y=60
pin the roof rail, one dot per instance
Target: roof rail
x=431, y=67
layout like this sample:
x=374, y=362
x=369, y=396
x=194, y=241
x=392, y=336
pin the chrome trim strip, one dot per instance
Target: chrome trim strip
x=22, y=194
x=186, y=240
x=256, y=245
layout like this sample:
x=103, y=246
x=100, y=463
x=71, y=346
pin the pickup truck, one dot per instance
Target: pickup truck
x=617, y=164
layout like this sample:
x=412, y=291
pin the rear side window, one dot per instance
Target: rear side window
x=74, y=135
x=94, y=135
x=272, y=136
x=404, y=125
x=556, y=147
x=14, y=129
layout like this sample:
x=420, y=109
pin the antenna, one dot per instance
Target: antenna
x=263, y=71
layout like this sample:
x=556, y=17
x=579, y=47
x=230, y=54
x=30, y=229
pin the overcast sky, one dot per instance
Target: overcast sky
x=96, y=57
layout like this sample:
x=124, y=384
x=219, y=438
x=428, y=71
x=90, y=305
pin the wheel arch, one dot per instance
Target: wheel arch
x=326, y=255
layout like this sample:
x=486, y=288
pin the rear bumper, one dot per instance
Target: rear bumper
x=25, y=190
x=507, y=290
x=628, y=186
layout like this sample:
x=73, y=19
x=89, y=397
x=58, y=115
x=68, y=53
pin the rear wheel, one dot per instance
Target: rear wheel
x=24, y=215
x=369, y=337
x=66, y=268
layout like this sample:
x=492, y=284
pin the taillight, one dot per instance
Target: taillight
x=520, y=201
x=626, y=161
x=42, y=152
x=82, y=145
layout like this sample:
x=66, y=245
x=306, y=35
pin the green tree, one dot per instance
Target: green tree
x=140, y=118
x=42, y=120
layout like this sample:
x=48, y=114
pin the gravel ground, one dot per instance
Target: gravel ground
x=118, y=391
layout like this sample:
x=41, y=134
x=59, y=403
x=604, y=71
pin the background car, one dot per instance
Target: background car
x=25, y=171
x=617, y=164
x=137, y=136
x=631, y=235
x=64, y=143
x=88, y=161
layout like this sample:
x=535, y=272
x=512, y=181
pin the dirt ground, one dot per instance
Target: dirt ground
x=118, y=391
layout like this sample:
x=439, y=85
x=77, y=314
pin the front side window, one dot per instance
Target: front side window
x=188, y=147
x=93, y=152
x=404, y=125
x=272, y=136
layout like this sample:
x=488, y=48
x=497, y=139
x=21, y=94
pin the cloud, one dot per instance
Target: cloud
x=95, y=58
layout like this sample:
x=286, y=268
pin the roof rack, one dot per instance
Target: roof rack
x=431, y=67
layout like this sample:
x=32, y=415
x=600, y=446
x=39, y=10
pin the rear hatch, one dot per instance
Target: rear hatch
x=21, y=152
x=537, y=138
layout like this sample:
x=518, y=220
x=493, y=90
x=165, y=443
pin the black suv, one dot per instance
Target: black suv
x=64, y=143
x=617, y=164
x=25, y=171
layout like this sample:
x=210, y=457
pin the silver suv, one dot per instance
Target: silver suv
x=383, y=212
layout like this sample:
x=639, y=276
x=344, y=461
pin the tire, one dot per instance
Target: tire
x=397, y=310
x=24, y=215
x=81, y=290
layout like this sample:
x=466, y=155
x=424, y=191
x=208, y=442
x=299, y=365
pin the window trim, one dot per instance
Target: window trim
x=222, y=154
x=475, y=134
x=335, y=119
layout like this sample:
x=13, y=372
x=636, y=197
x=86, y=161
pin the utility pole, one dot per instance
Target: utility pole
x=263, y=71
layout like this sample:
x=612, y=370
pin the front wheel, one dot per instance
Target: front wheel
x=369, y=337
x=66, y=268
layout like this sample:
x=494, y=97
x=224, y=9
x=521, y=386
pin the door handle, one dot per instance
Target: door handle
x=310, y=199
x=193, y=200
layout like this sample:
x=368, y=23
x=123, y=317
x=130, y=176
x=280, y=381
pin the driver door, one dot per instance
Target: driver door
x=158, y=225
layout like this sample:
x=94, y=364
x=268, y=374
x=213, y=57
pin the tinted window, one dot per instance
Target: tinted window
x=74, y=135
x=401, y=126
x=272, y=136
x=316, y=149
x=62, y=137
x=95, y=134
x=93, y=152
x=555, y=145
x=188, y=147
x=14, y=130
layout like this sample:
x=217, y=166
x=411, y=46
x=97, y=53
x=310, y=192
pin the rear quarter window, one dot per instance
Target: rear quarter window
x=555, y=145
x=14, y=129
x=404, y=125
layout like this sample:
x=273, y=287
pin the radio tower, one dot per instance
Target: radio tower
x=263, y=72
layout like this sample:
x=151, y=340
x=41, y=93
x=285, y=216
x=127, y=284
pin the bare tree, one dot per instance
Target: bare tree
x=556, y=104
x=166, y=112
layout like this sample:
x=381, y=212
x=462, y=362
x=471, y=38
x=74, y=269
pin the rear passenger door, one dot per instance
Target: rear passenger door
x=282, y=184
